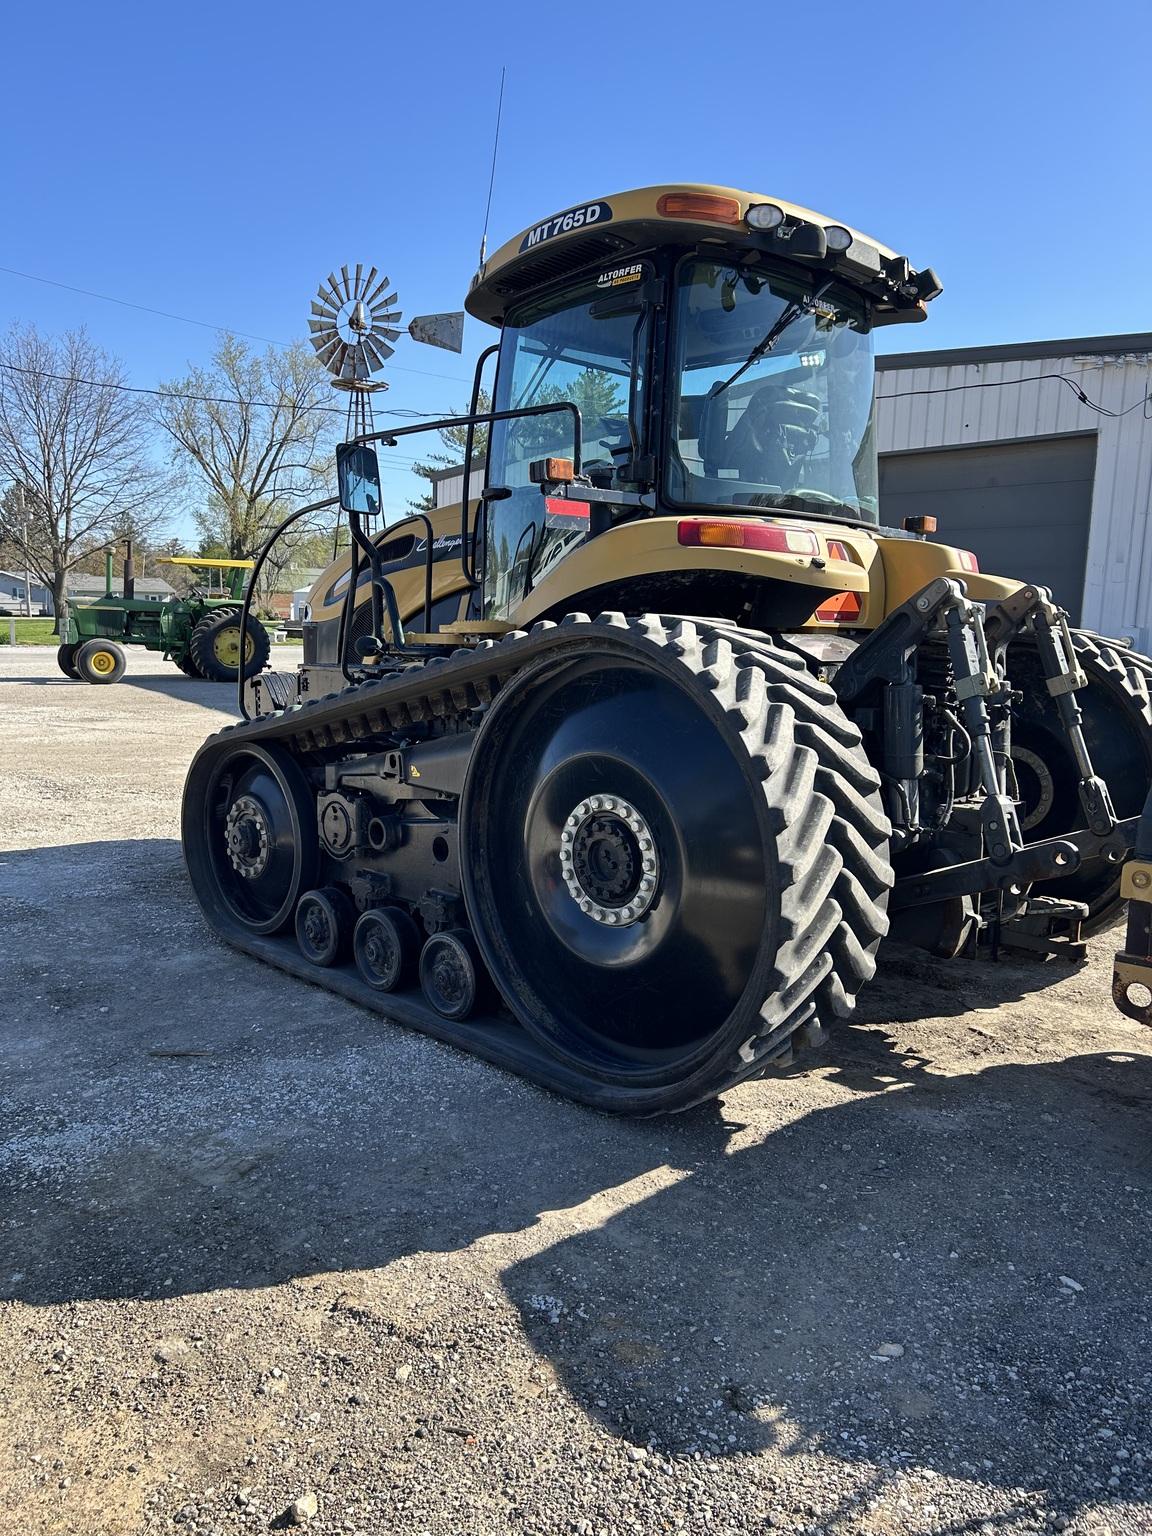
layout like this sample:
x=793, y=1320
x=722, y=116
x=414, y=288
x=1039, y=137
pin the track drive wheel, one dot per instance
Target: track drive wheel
x=1117, y=708
x=100, y=661
x=324, y=925
x=675, y=856
x=216, y=646
x=249, y=830
x=386, y=945
x=66, y=660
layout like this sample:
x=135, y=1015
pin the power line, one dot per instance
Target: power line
x=206, y=325
x=176, y=394
x=1036, y=378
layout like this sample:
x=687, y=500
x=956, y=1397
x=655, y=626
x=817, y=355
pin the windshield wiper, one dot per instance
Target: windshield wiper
x=787, y=316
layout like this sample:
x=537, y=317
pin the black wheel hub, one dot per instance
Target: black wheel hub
x=317, y=926
x=608, y=860
x=247, y=836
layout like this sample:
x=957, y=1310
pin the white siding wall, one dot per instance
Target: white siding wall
x=1118, y=579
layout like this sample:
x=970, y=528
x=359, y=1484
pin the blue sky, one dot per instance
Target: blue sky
x=217, y=160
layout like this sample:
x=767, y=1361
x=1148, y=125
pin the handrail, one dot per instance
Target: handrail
x=246, y=609
x=468, y=562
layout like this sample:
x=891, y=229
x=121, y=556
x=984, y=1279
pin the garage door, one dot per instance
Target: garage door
x=1022, y=508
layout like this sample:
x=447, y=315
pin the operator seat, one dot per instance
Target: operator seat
x=776, y=432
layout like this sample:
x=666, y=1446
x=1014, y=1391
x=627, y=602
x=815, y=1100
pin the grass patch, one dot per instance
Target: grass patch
x=28, y=632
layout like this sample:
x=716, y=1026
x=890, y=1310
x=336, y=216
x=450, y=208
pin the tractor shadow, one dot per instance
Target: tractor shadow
x=180, y=1119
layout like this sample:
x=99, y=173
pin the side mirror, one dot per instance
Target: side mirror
x=358, y=476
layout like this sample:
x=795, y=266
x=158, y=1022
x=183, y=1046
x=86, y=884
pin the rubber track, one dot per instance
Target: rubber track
x=1129, y=673
x=823, y=798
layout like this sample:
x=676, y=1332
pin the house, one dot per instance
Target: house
x=83, y=587
x=23, y=594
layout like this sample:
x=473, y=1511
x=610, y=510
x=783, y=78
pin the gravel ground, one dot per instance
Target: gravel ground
x=269, y=1261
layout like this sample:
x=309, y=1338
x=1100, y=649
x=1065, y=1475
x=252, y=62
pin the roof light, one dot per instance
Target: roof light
x=728, y=534
x=709, y=206
x=765, y=215
x=838, y=238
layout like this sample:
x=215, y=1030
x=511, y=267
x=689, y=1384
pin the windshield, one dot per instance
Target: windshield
x=585, y=347
x=773, y=385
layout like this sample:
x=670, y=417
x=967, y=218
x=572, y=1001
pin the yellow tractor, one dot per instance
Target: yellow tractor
x=617, y=773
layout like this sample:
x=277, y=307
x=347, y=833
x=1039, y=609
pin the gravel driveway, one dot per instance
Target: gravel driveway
x=269, y=1261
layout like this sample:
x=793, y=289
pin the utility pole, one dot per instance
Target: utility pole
x=27, y=572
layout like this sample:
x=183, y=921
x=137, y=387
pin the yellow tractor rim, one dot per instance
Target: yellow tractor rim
x=226, y=646
x=102, y=662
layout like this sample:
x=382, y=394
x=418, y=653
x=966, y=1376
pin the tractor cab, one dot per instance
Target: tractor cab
x=719, y=350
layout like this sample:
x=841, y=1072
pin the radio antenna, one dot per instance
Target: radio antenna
x=492, y=173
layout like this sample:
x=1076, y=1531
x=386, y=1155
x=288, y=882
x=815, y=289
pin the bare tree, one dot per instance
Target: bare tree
x=74, y=458
x=253, y=430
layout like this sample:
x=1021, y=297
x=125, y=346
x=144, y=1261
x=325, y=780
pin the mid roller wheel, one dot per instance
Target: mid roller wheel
x=450, y=974
x=386, y=944
x=324, y=925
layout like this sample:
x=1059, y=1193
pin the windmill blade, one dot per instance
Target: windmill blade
x=324, y=311
x=327, y=352
x=377, y=352
x=322, y=327
x=334, y=285
x=387, y=331
x=368, y=281
x=371, y=299
x=347, y=282
x=385, y=316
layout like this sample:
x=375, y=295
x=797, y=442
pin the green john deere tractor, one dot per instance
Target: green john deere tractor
x=202, y=632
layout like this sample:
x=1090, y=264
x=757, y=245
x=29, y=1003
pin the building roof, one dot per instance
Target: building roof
x=83, y=584
x=1075, y=346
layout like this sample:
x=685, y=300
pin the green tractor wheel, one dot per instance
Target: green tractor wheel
x=187, y=665
x=215, y=646
x=100, y=661
x=66, y=661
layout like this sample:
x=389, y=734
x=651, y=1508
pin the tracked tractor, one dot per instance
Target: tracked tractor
x=200, y=631
x=618, y=773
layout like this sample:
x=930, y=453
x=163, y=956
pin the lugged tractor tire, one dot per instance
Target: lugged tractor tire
x=215, y=646
x=730, y=756
x=187, y=665
x=1117, y=709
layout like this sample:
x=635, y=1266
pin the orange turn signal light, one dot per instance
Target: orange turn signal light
x=551, y=471
x=709, y=206
x=729, y=534
x=919, y=525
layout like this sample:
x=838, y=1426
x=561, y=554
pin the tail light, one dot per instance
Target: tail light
x=968, y=561
x=729, y=534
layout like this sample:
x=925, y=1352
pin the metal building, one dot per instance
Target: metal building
x=997, y=444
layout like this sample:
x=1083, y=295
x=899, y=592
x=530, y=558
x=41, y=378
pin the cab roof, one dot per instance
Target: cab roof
x=688, y=213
